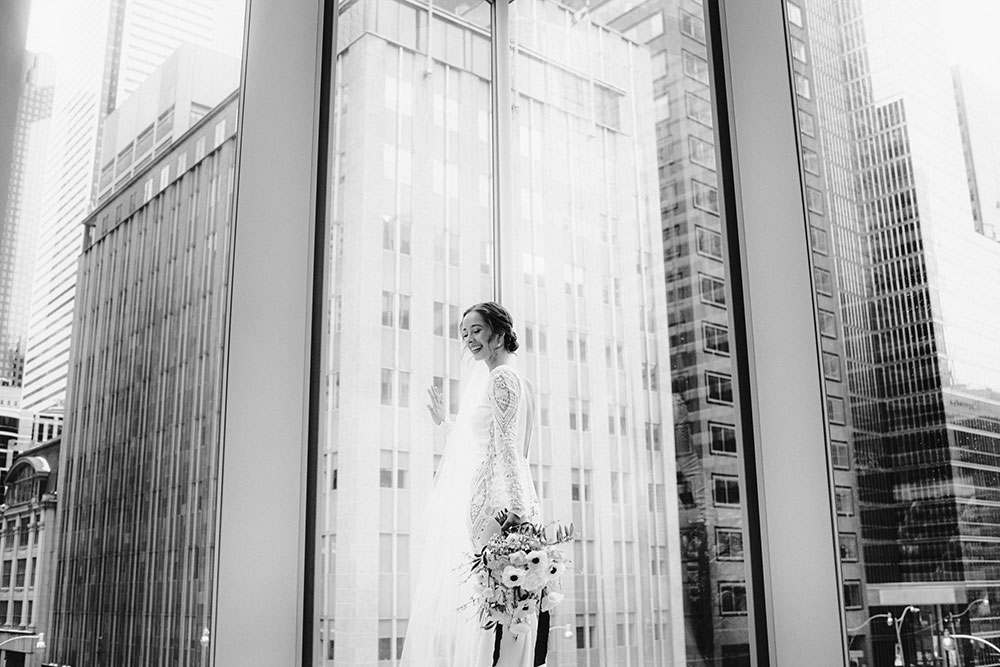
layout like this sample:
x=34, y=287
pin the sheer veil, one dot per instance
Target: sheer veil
x=443, y=630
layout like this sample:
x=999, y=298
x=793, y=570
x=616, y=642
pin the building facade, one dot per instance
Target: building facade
x=134, y=562
x=917, y=274
x=28, y=516
x=108, y=48
x=20, y=217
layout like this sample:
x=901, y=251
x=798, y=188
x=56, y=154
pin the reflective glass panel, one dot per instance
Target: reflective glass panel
x=899, y=164
x=118, y=136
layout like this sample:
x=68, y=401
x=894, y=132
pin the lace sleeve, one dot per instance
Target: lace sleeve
x=510, y=477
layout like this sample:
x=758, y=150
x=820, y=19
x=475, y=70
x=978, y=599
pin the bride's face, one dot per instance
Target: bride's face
x=477, y=336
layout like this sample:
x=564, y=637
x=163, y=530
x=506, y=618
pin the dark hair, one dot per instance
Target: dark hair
x=499, y=322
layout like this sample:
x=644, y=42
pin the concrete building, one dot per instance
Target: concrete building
x=28, y=517
x=108, y=48
x=137, y=527
x=189, y=83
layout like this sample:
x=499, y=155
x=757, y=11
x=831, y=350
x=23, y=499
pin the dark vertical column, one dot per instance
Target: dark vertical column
x=13, y=36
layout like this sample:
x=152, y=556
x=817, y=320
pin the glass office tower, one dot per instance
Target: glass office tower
x=918, y=273
x=20, y=218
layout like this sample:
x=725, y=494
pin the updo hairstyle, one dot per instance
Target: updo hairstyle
x=499, y=322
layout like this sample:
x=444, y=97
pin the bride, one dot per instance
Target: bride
x=483, y=475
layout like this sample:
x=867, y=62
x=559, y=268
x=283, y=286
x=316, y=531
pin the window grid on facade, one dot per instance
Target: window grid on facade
x=732, y=598
x=726, y=490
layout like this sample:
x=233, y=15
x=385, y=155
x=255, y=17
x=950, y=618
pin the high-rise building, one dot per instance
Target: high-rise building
x=707, y=449
x=134, y=562
x=18, y=226
x=828, y=174
x=413, y=200
x=108, y=48
x=14, y=17
x=917, y=276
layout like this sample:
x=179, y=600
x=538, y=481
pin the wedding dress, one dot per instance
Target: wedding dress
x=483, y=472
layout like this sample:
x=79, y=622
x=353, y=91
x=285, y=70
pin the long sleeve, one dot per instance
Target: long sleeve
x=512, y=483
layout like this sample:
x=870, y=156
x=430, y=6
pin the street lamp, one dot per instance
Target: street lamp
x=947, y=639
x=40, y=644
x=983, y=600
x=898, y=622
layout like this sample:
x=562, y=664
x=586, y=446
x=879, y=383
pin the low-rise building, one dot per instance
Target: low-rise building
x=25, y=589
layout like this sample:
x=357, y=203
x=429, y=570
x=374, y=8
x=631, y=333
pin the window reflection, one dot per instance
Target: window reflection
x=905, y=274
x=595, y=88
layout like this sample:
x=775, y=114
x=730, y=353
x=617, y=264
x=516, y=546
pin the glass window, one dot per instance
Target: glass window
x=810, y=161
x=720, y=387
x=844, y=496
x=819, y=240
x=702, y=152
x=713, y=290
x=814, y=199
x=831, y=366
x=709, y=243
x=837, y=413
x=695, y=66
x=852, y=595
x=798, y=48
x=692, y=26
x=706, y=197
x=729, y=544
x=716, y=338
x=802, y=85
x=726, y=490
x=732, y=598
x=723, y=438
x=698, y=109
x=807, y=123
x=794, y=14
x=824, y=281
x=848, y=547
x=841, y=454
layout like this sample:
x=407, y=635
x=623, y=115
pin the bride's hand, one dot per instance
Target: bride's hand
x=436, y=406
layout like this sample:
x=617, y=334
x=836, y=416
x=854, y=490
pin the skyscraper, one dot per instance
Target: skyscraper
x=108, y=48
x=134, y=562
x=918, y=275
x=18, y=228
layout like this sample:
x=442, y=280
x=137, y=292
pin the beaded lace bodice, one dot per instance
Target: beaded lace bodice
x=503, y=479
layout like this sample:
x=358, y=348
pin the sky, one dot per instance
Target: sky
x=44, y=21
x=971, y=27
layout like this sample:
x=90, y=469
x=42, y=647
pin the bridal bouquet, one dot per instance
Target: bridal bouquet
x=517, y=574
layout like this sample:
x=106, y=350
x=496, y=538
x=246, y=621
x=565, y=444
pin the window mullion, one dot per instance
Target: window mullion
x=500, y=119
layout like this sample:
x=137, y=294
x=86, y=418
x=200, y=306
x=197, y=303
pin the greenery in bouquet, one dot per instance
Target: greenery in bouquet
x=518, y=573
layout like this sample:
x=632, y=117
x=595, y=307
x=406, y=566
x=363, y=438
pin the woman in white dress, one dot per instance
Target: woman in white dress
x=483, y=474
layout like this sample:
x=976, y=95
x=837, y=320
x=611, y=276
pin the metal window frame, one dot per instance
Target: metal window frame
x=266, y=555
